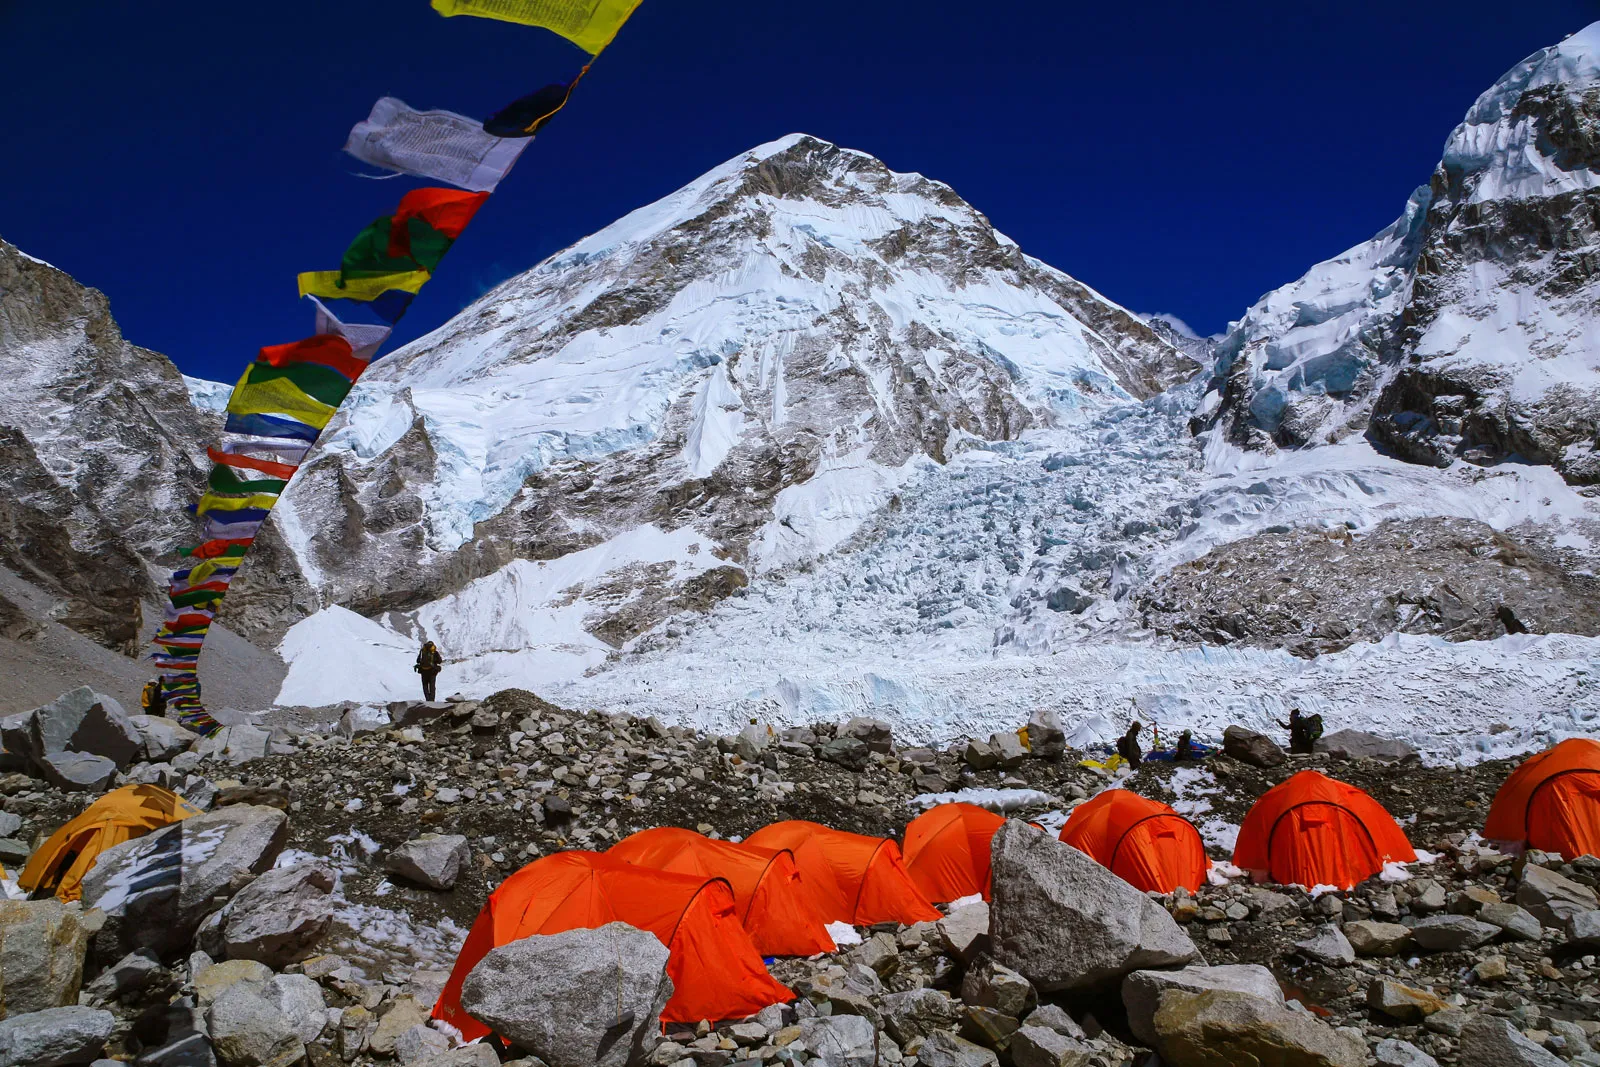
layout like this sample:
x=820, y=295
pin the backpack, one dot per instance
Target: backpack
x=1313, y=728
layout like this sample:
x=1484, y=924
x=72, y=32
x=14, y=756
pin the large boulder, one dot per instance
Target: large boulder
x=1328, y=946
x=1008, y=749
x=1039, y=1046
x=1358, y=744
x=851, y=753
x=55, y=1037
x=1400, y=1001
x=841, y=1040
x=78, y=772
x=1066, y=923
x=1452, y=933
x=433, y=860
x=156, y=889
x=1553, y=898
x=80, y=720
x=1142, y=990
x=918, y=1013
x=874, y=733
x=944, y=1049
x=161, y=739
x=583, y=998
x=1046, y=739
x=1250, y=747
x=1490, y=1041
x=279, y=918
x=964, y=933
x=266, y=1024
x=1224, y=1028
x=42, y=944
x=240, y=743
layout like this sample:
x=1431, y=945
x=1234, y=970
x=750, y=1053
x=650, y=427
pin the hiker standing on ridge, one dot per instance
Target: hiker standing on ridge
x=429, y=664
x=1128, y=746
x=152, y=700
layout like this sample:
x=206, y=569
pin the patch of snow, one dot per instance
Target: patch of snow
x=843, y=934
x=1002, y=801
x=961, y=902
x=208, y=395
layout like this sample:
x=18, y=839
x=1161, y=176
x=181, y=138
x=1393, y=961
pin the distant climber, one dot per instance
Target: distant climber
x=1304, y=730
x=152, y=700
x=1185, y=748
x=429, y=664
x=1128, y=746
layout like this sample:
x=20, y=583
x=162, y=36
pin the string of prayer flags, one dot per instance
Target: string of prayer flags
x=440, y=146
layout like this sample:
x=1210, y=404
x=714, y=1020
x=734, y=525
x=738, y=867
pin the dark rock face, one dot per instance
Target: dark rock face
x=1465, y=330
x=1312, y=592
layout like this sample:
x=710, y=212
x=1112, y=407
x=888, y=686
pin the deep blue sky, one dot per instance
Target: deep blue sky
x=1177, y=156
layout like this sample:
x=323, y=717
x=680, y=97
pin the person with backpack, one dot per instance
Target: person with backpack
x=429, y=663
x=153, y=700
x=1128, y=746
x=1304, y=730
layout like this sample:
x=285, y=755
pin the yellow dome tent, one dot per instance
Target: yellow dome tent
x=121, y=815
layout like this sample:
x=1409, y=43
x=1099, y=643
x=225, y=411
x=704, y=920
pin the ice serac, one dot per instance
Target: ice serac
x=762, y=360
x=1468, y=327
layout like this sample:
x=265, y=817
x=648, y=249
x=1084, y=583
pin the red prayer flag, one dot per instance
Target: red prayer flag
x=446, y=210
x=265, y=466
x=325, y=350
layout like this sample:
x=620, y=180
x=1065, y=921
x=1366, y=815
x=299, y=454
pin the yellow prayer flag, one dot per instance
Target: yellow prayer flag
x=220, y=502
x=278, y=396
x=589, y=24
x=325, y=283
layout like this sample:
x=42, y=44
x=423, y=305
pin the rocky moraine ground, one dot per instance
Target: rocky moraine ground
x=346, y=861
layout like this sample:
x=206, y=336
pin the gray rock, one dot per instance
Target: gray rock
x=9, y=823
x=944, y=1049
x=408, y=713
x=979, y=756
x=42, y=944
x=751, y=742
x=433, y=860
x=1392, y=1052
x=841, y=1040
x=78, y=772
x=54, y=1037
x=1328, y=946
x=1066, y=923
x=421, y=1042
x=1553, y=898
x=160, y=739
x=1054, y=1017
x=874, y=733
x=480, y=1054
x=1039, y=1046
x=991, y=985
x=1517, y=922
x=249, y=1028
x=917, y=1013
x=363, y=719
x=851, y=753
x=1583, y=930
x=82, y=720
x=583, y=998
x=156, y=889
x=1046, y=739
x=1142, y=990
x=402, y=1015
x=1400, y=1001
x=236, y=744
x=1357, y=744
x=965, y=931
x=1270, y=906
x=1371, y=938
x=1452, y=933
x=1490, y=1041
x=279, y=918
x=1247, y=746
x=1223, y=1028
x=134, y=972
x=1008, y=750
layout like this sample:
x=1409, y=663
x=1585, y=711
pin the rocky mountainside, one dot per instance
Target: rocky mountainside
x=100, y=450
x=1467, y=328
x=748, y=368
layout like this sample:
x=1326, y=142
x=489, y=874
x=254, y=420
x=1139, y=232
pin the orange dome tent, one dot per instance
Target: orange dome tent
x=947, y=851
x=1311, y=830
x=1552, y=801
x=716, y=972
x=121, y=815
x=1142, y=841
x=851, y=878
x=773, y=904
